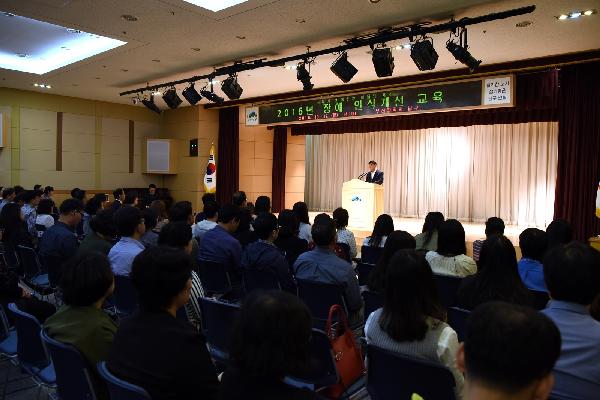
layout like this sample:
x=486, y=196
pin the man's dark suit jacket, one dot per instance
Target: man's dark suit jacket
x=378, y=178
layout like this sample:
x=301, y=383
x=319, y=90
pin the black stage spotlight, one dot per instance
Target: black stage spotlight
x=232, y=88
x=303, y=76
x=150, y=104
x=462, y=54
x=343, y=69
x=210, y=95
x=424, y=55
x=383, y=61
x=171, y=98
x=191, y=95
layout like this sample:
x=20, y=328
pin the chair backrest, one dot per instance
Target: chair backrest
x=370, y=255
x=372, y=300
x=53, y=265
x=346, y=248
x=40, y=230
x=217, y=324
x=322, y=371
x=457, y=319
x=10, y=257
x=540, y=299
x=364, y=271
x=214, y=277
x=30, y=261
x=4, y=324
x=30, y=349
x=125, y=295
x=72, y=372
x=392, y=376
x=319, y=297
x=447, y=288
x=118, y=388
x=259, y=279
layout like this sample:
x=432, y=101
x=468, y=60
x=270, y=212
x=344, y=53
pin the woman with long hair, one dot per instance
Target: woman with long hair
x=301, y=210
x=288, y=241
x=384, y=226
x=428, y=238
x=161, y=211
x=451, y=255
x=14, y=228
x=397, y=240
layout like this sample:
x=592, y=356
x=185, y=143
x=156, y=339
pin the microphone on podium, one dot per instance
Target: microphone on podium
x=362, y=175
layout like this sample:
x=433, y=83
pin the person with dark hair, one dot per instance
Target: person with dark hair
x=219, y=245
x=239, y=199
x=119, y=195
x=13, y=228
x=270, y=340
x=572, y=274
x=412, y=320
x=8, y=196
x=31, y=199
x=130, y=225
x=150, y=236
x=59, y=242
x=287, y=240
x=48, y=192
x=384, y=225
x=182, y=211
x=161, y=211
x=152, y=348
x=323, y=265
x=493, y=226
x=19, y=189
x=450, y=257
x=304, y=229
x=78, y=194
x=533, y=243
x=12, y=292
x=37, y=187
x=244, y=233
x=559, y=232
x=497, y=278
x=374, y=175
x=264, y=255
x=508, y=353
x=340, y=217
x=211, y=214
x=87, y=281
x=339, y=250
x=150, y=196
x=397, y=240
x=131, y=198
x=93, y=205
x=44, y=216
x=262, y=204
x=102, y=236
x=206, y=198
x=428, y=238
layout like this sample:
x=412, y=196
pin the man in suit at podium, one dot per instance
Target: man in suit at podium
x=374, y=175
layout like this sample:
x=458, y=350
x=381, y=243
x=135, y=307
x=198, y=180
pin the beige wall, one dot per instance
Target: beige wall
x=294, y=169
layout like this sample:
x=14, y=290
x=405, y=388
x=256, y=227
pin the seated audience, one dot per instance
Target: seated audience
x=450, y=257
x=264, y=255
x=219, y=245
x=558, y=232
x=44, y=216
x=493, y=226
x=182, y=212
x=211, y=214
x=304, y=229
x=269, y=342
x=288, y=240
x=397, y=240
x=508, y=353
x=11, y=292
x=323, y=265
x=340, y=217
x=239, y=199
x=95, y=204
x=428, y=238
x=206, y=197
x=48, y=192
x=119, y=195
x=130, y=226
x=412, y=320
x=384, y=225
x=533, y=243
x=155, y=350
x=337, y=249
x=131, y=199
x=59, y=242
x=8, y=196
x=572, y=274
x=79, y=194
x=150, y=196
x=14, y=229
x=31, y=199
x=244, y=233
x=150, y=236
x=262, y=204
x=161, y=211
x=87, y=281
x=102, y=236
x=497, y=277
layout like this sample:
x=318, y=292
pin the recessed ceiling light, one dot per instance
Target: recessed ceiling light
x=576, y=14
x=7, y=14
x=129, y=18
x=588, y=12
x=42, y=86
x=563, y=16
x=215, y=6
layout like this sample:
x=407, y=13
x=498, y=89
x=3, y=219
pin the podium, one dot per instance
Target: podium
x=364, y=202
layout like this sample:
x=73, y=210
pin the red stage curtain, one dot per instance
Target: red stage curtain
x=536, y=101
x=278, y=179
x=579, y=148
x=228, y=153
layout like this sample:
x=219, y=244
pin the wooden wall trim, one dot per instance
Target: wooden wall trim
x=131, y=145
x=59, y=141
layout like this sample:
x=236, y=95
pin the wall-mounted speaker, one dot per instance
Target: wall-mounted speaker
x=194, y=148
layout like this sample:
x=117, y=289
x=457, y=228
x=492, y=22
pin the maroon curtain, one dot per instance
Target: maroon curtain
x=579, y=148
x=279, y=157
x=228, y=153
x=536, y=100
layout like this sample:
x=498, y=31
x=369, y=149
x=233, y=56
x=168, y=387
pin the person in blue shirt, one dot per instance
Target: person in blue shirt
x=8, y=196
x=130, y=224
x=31, y=199
x=59, y=242
x=219, y=245
x=264, y=255
x=533, y=243
x=572, y=274
x=322, y=265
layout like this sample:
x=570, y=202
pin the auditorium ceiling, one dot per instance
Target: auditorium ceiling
x=173, y=39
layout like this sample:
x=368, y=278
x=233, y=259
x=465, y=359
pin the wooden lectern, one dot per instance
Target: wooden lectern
x=364, y=202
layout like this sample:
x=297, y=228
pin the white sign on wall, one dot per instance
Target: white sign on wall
x=497, y=90
x=251, y=116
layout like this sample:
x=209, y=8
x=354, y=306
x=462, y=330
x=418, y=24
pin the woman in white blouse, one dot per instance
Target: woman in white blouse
x=44, y=214
x=450, y=257
x=304, y=229
x=412, y=321
x=384, y=225
x=340, y=217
